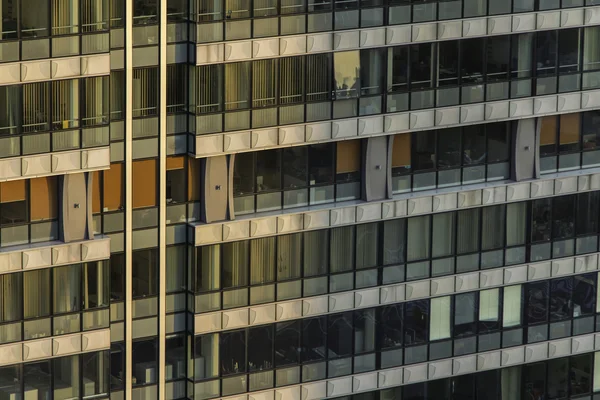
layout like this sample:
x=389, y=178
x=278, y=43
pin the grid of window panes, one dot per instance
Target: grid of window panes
x=262, y=18
x=289, y=90
x=406, y=333
x=262, y=270
x=34, y=29
x=73, y=377
x=54, y=301
x=75, y=110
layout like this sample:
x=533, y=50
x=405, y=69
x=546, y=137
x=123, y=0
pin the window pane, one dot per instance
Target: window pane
x=13, y=199
x=492, y=226
x=113, y=188
x=391, y=326
x=144, y=277
x=316, y=252
x=511, y=309
x=36, y=293
x=342, y=239
x=67, y=289
x=262, y=261
x=418, y=238
x=235, y=263
x=268, y=170
x=144, y=183
x=287, y=343
x=11, y=297
x=468, y=231
x=346, y=74
x=339, y=335
x=44, y=198
x=416, y=318
x=66, y=377
x=233, y=352
x=208, y=266
x=366, y=245
x=443, y=234
x=289, y=256
x=440, y=318
x=260, y=348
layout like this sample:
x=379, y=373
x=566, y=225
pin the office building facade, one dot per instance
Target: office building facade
x=299, y=199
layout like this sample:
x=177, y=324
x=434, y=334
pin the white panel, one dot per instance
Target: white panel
x=292, y=45
x=464, y=365
x=472, y=113
x=290, y=223
x=10, y=168
x=364, y=382
x=515, y=274
x=37, y=258
x=420, y=206
x=491, y=278
x=10, y=262
x=559, y=348
x=388, y=209
x=517, y=192
x=262, y=314
x=415, y=373
x=235, y=318
x=424, y=32
x=36, y=165
x=10, y=73
x=206, y=145
x=66, y=67
x=236, y=230
x=390, y=377
x=513, y=356
x=207, y=322
x=444, y=202
x=344, y=128
x=447, y=116
x=342, y=216
x=582, y=344
x=521, y=108
x=583, y=183
x=238, y=51
x=442, y=286
x=592, y=16
x=66, y=345
x=422, y=119
x=289, y=393
x=35, y=71
x=291, y=134
x=370, y=126
x=548, y=20
x=542, y=188
x=263, y=226
x=347, y=40
x=316, y=132
x=290, y=310
x=440, y=369
x=319, y=43
x=523, y=22
x=369, y=212
x=265, y=48
x=95, y=250
x=497, y=110
x=586, y=263
x=11, y=354
x=395, y=123
x=62, y=162
x=315, y=306
x=536, y=352
x=543, y=105
x=264, y=138
x=565, y=266
x=401, y=208
x=205, y=234
x=449, y=30
x=497, y=25
x=398, y=34
x=539, y=271
x=565, y=185
x=210, y=53
x=488, y=360
x=366, y=298
x=316, y=219
x=339, y=386
x=95, y=158
x=35, y=349
x=493, y=195
x=590, y=99
x=572, y=17
x=372, y=37
x=469, y=199
x=314, y=391
x=266, y=395
x=236, y=141
x=467, y=282
x=417, y=290
x=569, y=102
x=474, y=27
x=95, y=65
x=341, y=302
x=387, y=295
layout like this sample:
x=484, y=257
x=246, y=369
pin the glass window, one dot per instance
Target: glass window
x=346, y=74
x=316, y=252
x=10, y=111
x=67, y=289
x=264, y=83
x=208, y=85
x=295, y=167
x=34, y=24
x=144, y=356
x=423, y=150
x=397, y=69
x=465, y=308
x=339, y=335
x=235, y=264
x=498, y=144
x=364, y=331
x=320, y=159
x=11, y=297
x=176, y=264
x=391, y=326
x=546, y=52
x=287, y=343
x=472, y=60
x=117, y=277
x=439, y=319
x=289, y=256
x=144, y=183
x=268, y=170
x=243, y=174
x=348, y=161
x=418, y=235
x=534, y=381
x=145, y=91
x=145, y=12
x=474, y=145
x=563, y=214
x=569, y=133
x=420, y=65
x=394, y=241
x=44, y=198
x=371, y=71
x=511, y=309
x=443, y=234
x=579, y=371
x=95, y=284
x=66, y=377
x=537, y=302
x=516, y=223
x=208, y=267
x=11, y=381
x=560, y=299
x=176, y=181
x=448, y=150
x=489, y=310
x=233, y=352
x=113, y=188
x=262, y=260
x=584, y=294
x=367, y=236
x=237, y=88
x=540, y=220
x=492, y=227
x=36, y=293
x=416, y=318
x=591, y=129
x=144, y=276
x=260, y=348
x=37, y=376
x=13, y=202
x=206, y=356
x=314, y=338
x=341, y=240
x=467, y=233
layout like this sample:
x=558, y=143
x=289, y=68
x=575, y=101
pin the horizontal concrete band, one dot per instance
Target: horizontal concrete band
x=393, y=35
x=393, y=294
x=55, y=346
x=402, y=206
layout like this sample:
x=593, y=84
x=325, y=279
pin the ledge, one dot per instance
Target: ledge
x=55, y=346
x=392, y=294
x=401, y=206
x=52, y=254
x=392, y=123
x=59, y=163
x=393, y=35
